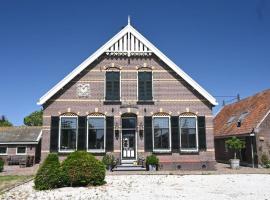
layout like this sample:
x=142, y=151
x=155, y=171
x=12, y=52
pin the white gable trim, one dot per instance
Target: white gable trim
x=106, y=47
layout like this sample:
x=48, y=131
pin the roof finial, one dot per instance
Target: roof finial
x=128, y=19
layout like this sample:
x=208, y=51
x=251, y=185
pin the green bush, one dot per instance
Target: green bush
x=152, y=160
x=264, y=159
x=108, y=160
x=49, y=175
x=81, y=169
x=1, y=165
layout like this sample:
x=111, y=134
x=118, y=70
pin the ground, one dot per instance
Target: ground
x=223, y=187
x=9, y=181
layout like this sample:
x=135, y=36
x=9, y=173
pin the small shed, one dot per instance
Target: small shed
x=20, y=141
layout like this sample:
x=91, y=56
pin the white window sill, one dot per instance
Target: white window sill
x=3, y=154
x=161, y=150
x=21, y=154
x=66, y=151
x=189, y=150
x=96, y=151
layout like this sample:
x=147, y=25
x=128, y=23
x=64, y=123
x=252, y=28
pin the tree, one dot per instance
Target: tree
x=4, y=121
x=34, y=119
x=235, y=144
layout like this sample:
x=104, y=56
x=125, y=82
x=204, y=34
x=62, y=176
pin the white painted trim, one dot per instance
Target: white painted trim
x=259, y=124
x=39, y=136
x=153, y=141
x=59, y=135
x=127, y=30
x=104, y=128
x=4, y=154
x=197, y=137
x=21, y=153
x=18, y=142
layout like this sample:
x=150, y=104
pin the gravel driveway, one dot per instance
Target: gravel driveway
x=255, y=186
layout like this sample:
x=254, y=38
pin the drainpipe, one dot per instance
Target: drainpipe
x=252, y=135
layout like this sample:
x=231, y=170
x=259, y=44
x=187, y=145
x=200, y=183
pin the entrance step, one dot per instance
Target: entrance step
x=129, y=167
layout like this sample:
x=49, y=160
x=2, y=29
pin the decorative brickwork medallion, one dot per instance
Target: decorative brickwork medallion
x=83, y=90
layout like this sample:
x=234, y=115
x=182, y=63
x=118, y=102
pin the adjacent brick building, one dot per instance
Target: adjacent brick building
x=249, y=120
x=20, y=142
x=129, y=99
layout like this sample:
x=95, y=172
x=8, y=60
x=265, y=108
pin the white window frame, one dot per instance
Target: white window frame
x=148, y=70
x=153, y=138
x=120, y=84
x=197, y=138
x=96, y=150
x=21, y=153
x=59, y=135
x=4, y=154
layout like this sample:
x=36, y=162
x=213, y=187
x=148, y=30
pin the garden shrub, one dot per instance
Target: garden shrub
x=108, y=160
x=49, y=175
x=1, y=165
x=264, y=159
x=82, y=169
x=152, y=160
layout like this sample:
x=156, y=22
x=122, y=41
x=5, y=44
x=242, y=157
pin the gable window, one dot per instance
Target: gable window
x=3, y=150
x=68, y=133
x=21, y=151
x=145, y=86
x=112, y=86
x=161, y=126
x=96, y=134
x=188, y=133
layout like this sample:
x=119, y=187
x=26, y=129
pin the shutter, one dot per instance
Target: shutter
x=54, y=136
x=116, y=86
x=109, y=86
x=148, y=85
x=82, y=131
x=148, y=141
x=202, y=133
x=109, y=133
x=141, y=85
x=175, y=133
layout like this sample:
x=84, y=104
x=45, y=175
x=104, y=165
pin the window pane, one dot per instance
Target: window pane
x=128, y=123
x=188, y=122
x=68, y=139
x=161, y=122
x=188, y=132
x=68, y=123
x=21, y=150
x=97, y=123
x=161, y=133
x=3, y=150
x=96, y=139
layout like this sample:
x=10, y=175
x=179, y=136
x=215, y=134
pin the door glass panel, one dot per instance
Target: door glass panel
x=128, y=123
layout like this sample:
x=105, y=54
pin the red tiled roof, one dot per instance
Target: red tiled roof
x=257, y=107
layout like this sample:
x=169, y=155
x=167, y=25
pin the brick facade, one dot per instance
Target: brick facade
x=171, y=94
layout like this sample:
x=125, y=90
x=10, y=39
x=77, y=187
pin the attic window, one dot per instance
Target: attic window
x=243, y=116
x=231, y=119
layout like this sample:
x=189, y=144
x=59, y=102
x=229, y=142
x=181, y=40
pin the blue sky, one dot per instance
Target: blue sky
x=224, y=45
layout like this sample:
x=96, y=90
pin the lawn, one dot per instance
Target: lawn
x=9, y=181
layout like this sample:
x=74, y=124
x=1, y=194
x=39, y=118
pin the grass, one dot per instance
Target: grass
x=9, y=181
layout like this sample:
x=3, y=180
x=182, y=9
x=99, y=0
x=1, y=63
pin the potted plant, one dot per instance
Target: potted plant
x=109, y=161
x=235, y=144
x=152, y=162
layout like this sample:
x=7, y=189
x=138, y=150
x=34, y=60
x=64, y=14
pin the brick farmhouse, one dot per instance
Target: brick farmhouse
x=130, y=100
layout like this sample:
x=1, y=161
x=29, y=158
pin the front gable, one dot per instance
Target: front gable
x=127, y=43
